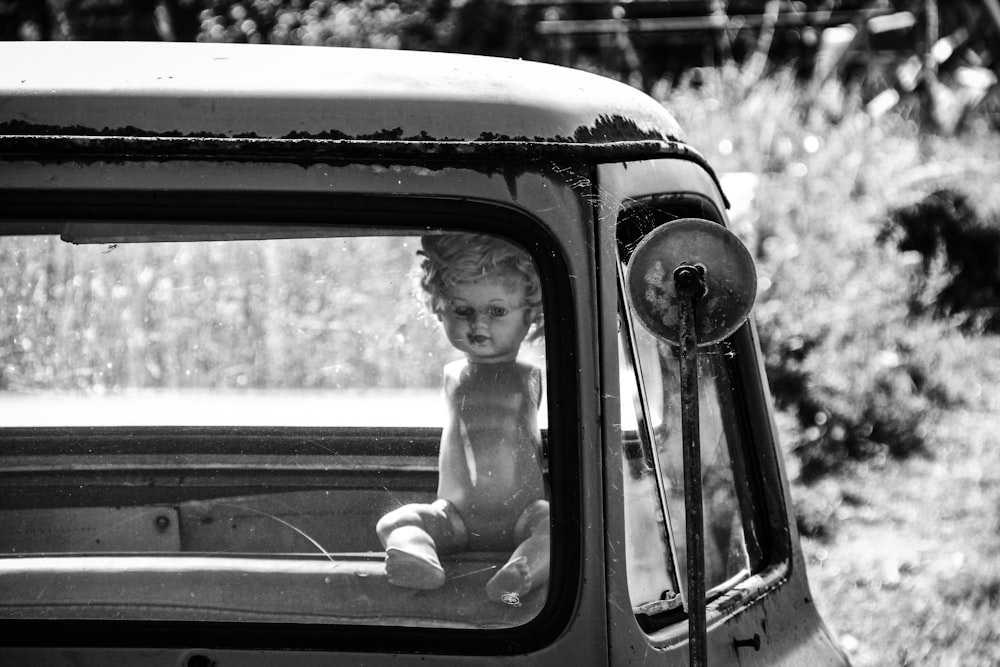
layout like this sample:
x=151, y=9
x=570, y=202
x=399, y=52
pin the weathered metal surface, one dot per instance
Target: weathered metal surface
x=53, y=146
x=248, y=91
x=191, y=104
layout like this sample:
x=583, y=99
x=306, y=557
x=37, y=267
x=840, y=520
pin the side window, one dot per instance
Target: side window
x=654, y=481
x=652, y=577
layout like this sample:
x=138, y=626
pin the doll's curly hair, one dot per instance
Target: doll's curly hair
x=457, y=257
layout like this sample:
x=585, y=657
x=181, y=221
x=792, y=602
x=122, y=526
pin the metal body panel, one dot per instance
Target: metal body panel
x=251, y=103
x=232, y=90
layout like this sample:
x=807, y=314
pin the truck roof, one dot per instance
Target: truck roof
x=286, y=95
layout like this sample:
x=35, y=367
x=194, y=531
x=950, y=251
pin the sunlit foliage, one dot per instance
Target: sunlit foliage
x=860, y=374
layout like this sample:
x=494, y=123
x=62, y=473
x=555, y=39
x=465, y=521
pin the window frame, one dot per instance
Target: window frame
x=24, y=212
x=756, y=479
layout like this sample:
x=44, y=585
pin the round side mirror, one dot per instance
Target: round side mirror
x=699, y=246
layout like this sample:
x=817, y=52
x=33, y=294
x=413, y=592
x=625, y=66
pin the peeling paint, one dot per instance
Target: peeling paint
x=510, y=178
x=611, y=138
x=608, y=129
x=612, y=128
x=501, y=157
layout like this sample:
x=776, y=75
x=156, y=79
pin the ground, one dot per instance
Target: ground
x=911, y=574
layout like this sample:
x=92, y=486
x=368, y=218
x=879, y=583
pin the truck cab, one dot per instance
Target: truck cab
x=217, y=372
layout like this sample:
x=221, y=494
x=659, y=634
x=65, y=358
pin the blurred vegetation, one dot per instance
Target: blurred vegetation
x=960, y=252
x=859, y=373
x=311, y=314
x=473, y=26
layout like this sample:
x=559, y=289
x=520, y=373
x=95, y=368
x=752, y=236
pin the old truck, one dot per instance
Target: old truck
x=216, y=376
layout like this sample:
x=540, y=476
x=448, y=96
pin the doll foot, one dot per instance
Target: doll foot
x=410, y=570
x=510, y=583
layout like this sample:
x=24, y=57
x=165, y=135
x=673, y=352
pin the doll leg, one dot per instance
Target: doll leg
x=528, y=566
x=413, y=535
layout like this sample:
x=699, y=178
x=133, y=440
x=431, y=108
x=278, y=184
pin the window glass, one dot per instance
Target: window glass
x=259, y=429
x=651, y=574
x=654, y=479
x=725, y=550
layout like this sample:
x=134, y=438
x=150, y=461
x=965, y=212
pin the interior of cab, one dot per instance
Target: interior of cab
x=207, y=422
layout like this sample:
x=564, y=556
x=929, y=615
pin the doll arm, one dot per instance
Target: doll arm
x=454, y=474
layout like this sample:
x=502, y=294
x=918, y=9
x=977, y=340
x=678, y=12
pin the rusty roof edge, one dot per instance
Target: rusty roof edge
x=605, y=128
x=48, y=148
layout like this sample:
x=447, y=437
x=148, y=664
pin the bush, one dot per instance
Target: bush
x=959, y=273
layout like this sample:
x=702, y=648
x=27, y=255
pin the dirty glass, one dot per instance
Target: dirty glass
x=651, y=574
x=206, y=429
x=658, y=472
x=651, y=422
x=725, y=551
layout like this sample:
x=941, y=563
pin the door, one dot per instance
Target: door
x=751, y=551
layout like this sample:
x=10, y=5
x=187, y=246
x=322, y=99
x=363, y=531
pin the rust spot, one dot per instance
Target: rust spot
x=607, y=129
x=614, y=128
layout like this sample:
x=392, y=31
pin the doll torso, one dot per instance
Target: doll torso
x=491, y=447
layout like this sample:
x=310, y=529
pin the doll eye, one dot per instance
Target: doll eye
x=498, y=311
x=465, y=312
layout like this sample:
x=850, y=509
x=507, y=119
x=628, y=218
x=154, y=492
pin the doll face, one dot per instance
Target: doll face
x=486, y=320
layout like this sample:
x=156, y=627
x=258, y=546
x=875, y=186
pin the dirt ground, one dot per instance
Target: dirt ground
x=911, y=575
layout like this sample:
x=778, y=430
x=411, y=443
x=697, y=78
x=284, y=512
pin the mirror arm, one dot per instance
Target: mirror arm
x=689, y=282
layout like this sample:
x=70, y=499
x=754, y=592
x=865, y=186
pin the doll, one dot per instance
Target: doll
x=491, y=492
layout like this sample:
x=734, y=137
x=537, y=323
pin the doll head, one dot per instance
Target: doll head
x=485, y=291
